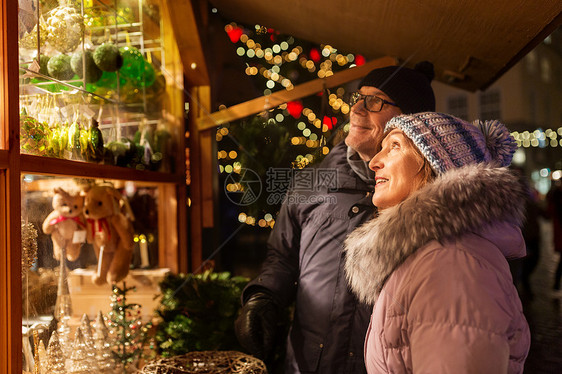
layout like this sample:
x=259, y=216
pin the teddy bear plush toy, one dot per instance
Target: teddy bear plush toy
x=110, y=231
x=66, y=224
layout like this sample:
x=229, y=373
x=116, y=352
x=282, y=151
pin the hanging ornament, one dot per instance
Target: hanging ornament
x=28, y=245
x=55, y=356
x=107, y=80
x=33, y=135
x=59, y=67
x=107, y=57
x=93, y=73
x=65, y=27
x=43, y=62
x=29, y=39
x=133, y=63
x=148, y=75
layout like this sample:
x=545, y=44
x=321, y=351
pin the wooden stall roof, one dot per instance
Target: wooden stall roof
x=470, y=42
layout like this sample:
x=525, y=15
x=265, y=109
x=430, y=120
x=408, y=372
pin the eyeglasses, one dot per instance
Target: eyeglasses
x=371, y=103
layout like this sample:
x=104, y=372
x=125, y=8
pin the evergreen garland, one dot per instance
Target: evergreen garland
x=197, y=312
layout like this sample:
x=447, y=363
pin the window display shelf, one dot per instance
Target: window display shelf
x=53, y=166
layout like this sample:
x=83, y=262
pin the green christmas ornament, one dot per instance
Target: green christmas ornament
x=34, y=135
x=133, y=63
x=108, y=58
x=149, y=75
x=59, y=67
x=107, y=80
x=43, y=61
x=93, y=73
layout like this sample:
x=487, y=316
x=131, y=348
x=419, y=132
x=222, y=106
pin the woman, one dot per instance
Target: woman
x=433, y=262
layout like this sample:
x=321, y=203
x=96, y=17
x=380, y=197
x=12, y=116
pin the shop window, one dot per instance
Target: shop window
x=76, y=235
x=101, y=166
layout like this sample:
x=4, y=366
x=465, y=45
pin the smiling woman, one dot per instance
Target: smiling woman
x=400, y=169
x=435, y=257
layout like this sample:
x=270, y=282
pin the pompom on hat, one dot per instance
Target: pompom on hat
x=448, y=142
x=410, y=89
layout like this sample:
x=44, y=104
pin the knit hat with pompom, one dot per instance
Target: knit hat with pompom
x=448, y=142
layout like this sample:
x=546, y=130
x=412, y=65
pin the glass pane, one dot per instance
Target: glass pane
x=95, y=231
x=92, y=88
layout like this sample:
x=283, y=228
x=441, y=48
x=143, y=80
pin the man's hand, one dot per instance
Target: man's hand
x=256, y=326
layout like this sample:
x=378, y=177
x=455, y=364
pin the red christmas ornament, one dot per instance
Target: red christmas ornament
x=330, y=122
x=234, y=34
x=315, y=55
x=295, y=108
x=359, y=60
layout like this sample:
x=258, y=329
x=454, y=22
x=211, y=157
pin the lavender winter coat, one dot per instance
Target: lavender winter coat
x=435, y=268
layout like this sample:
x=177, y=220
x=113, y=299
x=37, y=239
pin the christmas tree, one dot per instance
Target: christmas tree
x=81, y=360
x=104, y=354
x=55, y=356
x=86, y=329
x=125, y=324
x=289, y=136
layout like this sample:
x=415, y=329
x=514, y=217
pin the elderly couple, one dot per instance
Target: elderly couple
x=419, y=284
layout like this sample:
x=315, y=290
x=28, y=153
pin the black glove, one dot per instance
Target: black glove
x=257, y=324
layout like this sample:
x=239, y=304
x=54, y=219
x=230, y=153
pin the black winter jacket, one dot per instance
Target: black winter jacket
x=305, y=262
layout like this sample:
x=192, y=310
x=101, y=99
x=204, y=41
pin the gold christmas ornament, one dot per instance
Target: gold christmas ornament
x=29, y=40
x=28, y=245
x=65, y=27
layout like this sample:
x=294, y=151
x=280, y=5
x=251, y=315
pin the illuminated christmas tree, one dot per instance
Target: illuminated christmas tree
x=125, y=324
x=288, y=136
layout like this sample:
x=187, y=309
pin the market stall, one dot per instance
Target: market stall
x=94, y=176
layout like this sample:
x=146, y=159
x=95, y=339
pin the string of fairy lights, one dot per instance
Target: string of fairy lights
x=539, y=138
x=266, y=61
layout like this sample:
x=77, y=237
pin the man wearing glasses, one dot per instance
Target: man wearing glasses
x=304, y=262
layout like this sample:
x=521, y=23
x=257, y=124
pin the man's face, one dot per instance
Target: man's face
x=366, y=128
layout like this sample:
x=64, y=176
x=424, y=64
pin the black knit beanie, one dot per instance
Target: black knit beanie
x=410, y=89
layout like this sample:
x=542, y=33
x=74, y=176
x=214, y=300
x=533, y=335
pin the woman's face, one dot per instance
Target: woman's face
x=398, y=169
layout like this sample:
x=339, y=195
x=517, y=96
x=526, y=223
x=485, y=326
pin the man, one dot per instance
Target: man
x=304, y=263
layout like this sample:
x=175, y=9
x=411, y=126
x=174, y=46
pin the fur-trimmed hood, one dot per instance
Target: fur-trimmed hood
x=468, y=199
